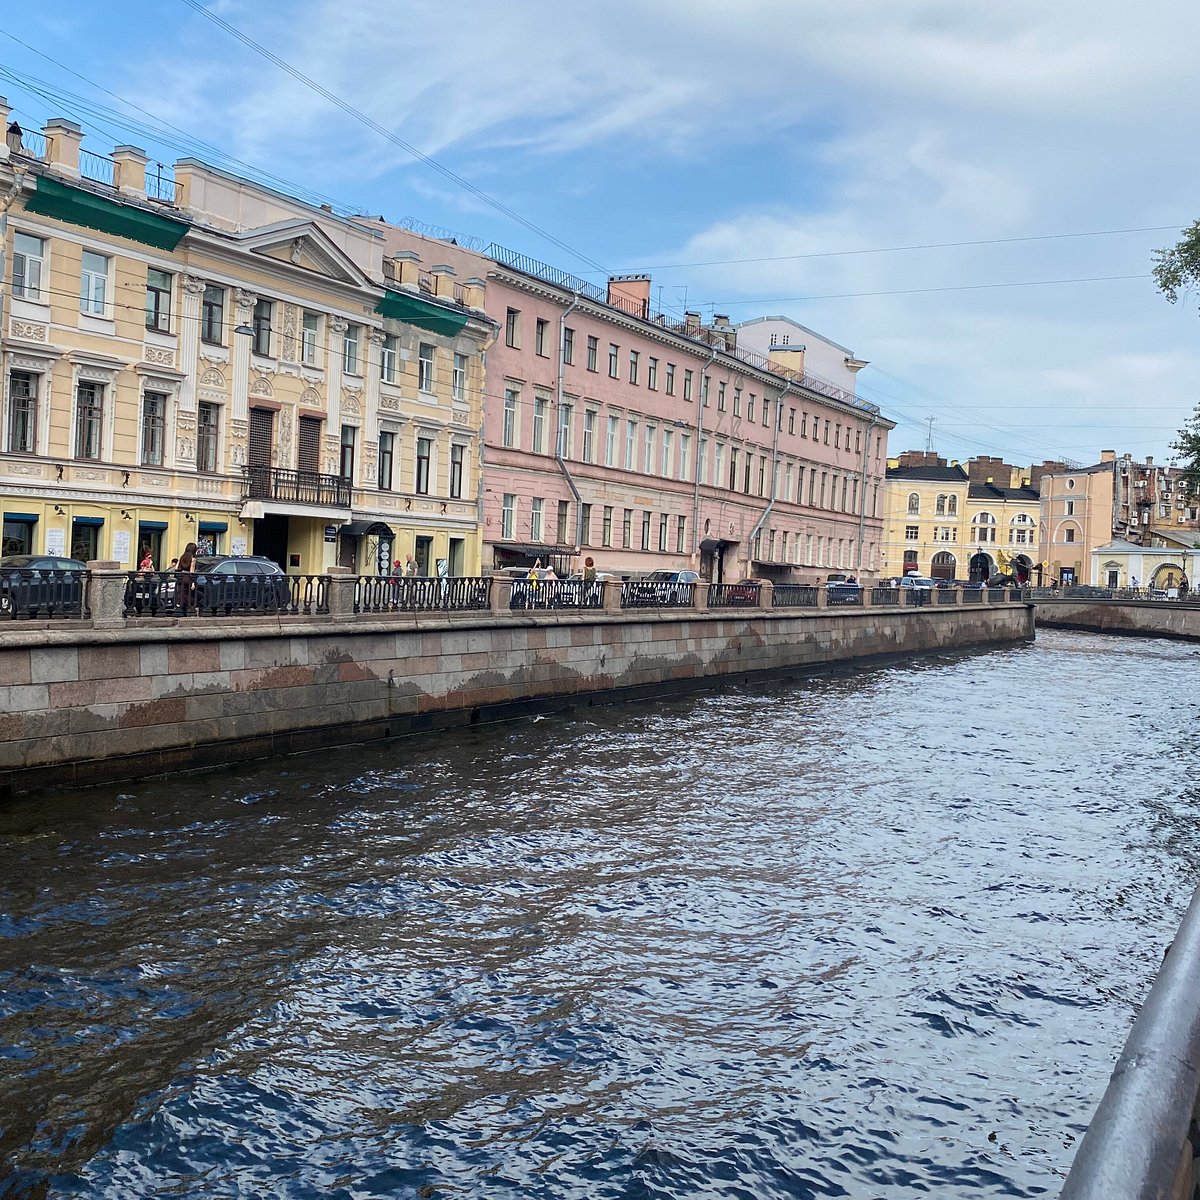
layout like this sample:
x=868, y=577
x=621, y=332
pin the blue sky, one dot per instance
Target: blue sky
x=756, y=158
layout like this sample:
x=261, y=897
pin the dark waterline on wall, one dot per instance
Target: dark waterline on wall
x=874, y=934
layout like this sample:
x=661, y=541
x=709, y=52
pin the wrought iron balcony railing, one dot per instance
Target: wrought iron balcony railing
x=298, y=487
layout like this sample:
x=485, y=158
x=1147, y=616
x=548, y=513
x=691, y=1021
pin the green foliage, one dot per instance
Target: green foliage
x=1178, y=269
x=1187, y=444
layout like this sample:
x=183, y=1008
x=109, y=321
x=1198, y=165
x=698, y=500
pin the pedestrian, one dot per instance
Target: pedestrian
x=185, y=579
x=589, y=570
x=1133, y=582
x=1183, y=587
x=410, y=566
x=147, y=562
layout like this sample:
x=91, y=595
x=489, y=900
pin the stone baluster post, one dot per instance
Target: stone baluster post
x=106, y=593
x=341, y=593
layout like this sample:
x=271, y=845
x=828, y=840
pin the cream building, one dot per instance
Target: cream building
x=926, y=524
x=201, y=359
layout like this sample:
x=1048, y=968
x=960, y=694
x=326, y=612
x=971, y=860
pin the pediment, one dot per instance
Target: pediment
x=304, y=245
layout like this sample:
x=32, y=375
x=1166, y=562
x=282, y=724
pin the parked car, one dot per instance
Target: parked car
x=33, y=583
x=663, y=587
x=744, y=593
x=920, y=582
x=842, y=589
x=242, y=583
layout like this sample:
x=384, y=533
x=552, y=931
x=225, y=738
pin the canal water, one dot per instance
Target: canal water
x=877, y=933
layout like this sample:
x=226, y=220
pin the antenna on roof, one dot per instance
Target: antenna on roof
x=929, y=436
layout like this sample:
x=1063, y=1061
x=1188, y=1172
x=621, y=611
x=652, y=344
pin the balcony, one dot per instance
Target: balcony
x=295, y=487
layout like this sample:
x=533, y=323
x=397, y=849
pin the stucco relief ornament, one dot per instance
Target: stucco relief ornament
x=310, y=398
x=389, y=402
x=297, y=250
x=376, y=337
x=285, y=432
x=193, y=285
x=237, y=456
x=185, y=423
x=262, y=387
x=338, y=325
x=185, y=449
x=163, y=358
x=31, y=331
x=245, y=299
x=350, y=402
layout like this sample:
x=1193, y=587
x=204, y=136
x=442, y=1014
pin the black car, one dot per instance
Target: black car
x=41, y=584
x=235, y=582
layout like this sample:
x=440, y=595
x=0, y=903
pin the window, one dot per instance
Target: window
x=912, y=533
x=509, y=432
x=536, y=509
x=687, y=385
x=93, y=284
x=29, y=256
x=207, y=428
x=826, y=433
x=914, y=504
x=212, y=315
x=704, y=391
x=1021, y=532
x=747, y=473
x=585, y=524
x=346, y=463
x=154, y=419
x=387, y=460
x=685, y=454
x=424, y=451
x=589, y=435
x=663, y=519
x=645, y=529
x=458, y=378
x=667, y=446
x=540, y=408
x=680, y=534
x=310, y=328
x=985, y=527
x=721, y=397
x=539, y=337
x=425, y=367
x=568, y=346
x=610, y=442
x=1069, y=534
x=593, y=350
x=939, y=507
x=737, y=401
x=606, y=526
x=17, y=537
x=630, y=444
x=652, y=374
x=791, y=420
x=512, y=327
x=262, y=327
x=766, y=412
x=508, y=516
x=456, y=471
x=613, y=354
x=158, y=300
x=564, y=514
x=952, y=506
x=1070, y=508
x=89, y=400
x=804, y=424
x=762, y=474
x=733, y=466
x=648, y=451
x=350, y=348
x=627, y=528
x=670, y=379
x=633, y=366
x=22, y=412
x=566, y=414
x=387, y=359
x=750, y=408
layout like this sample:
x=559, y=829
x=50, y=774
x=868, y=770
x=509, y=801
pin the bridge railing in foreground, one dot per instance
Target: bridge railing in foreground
x=1143, y=1140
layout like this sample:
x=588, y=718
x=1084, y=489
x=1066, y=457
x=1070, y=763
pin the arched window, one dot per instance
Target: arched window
x=1020, y=531
x=914, y=504
x=952, y=509
x=984, y=527
x=940, y=510
x=943, y=565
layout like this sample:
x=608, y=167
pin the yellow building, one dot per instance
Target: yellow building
x=1002, y=520
x=201, y=359
x=925, y=523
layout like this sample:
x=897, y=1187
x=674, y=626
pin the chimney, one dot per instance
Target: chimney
x=691, y=324
x=407, y=269
x=1149, y=460
x=443, y=281
x=474, y=291
x=63, y=138
x=1108, y=456
x=129, y=171
x=726, y=334
x=11, y=131
x=631, y=294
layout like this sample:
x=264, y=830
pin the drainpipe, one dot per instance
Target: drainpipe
x=712, y=358
x=862, y=500
x=558, y=441
x=787, y=387
x=483, y=356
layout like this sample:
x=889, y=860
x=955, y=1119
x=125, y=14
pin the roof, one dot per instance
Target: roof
x=928, y=474
x=794, y=325
x=992, y=491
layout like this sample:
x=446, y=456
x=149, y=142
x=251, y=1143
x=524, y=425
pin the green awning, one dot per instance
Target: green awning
x=412, y=310
x=79, y=207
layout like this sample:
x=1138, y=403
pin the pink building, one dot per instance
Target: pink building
x=645, y=443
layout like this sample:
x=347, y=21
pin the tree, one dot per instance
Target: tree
x=1176, y=270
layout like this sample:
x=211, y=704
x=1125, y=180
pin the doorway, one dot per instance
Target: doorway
x=424, y=554
x=271, y=538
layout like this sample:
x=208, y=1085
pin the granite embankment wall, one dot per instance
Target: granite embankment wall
x=1137, y=618
x=86, y=705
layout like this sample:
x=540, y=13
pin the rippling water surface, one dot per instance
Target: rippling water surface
x=874, y=934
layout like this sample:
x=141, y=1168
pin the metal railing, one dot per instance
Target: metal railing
x=946, y=595
x=646, y=593
x=162, y=188
x=188, y=594
x=839, y=595
x=972, y=595
x=734, y=595
x=37, y=593
x=1140, y=1143
x=299, y=487
x=793, y=595
x=883, y=596
x=97, y=167
x=33, y=145
x=387, y=594
x=556, y=593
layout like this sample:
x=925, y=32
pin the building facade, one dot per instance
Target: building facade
x=613, y=433
x=201, y=359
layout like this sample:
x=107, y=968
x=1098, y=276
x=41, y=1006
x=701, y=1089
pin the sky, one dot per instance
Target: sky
x=967, y=196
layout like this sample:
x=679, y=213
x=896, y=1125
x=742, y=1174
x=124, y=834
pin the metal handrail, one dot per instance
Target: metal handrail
x=1136, y=1142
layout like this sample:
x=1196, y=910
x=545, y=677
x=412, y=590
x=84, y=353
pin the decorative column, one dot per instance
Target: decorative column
x=189, y=341
x=333, y=373
x=370, y=417
x=243, y=314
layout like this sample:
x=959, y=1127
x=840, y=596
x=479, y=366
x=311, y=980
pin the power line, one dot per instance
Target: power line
x=1040, y=237
x=384, y=132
